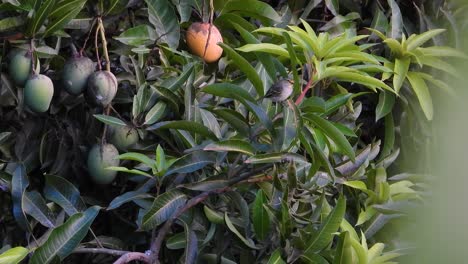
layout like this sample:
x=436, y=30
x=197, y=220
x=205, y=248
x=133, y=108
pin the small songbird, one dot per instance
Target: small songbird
x=280, y=91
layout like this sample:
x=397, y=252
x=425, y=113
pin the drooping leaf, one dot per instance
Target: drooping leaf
x=233, y=229
x=65, y=238
x=401, y=71
x=422, y=93
x=385, y=105
x=191, y=162
x=276, y=257
x=110, y=120
x=127, y=197
x=228, y=90
x=137, y=36
x=64, y=11
x=38, y=17
x=164, y=206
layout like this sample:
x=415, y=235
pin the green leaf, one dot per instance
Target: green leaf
x=137, y=36
x=276, y=258
x=65, y=238
x=188, y=69
x=191, y=248
x=228, y=90
x=11, y=22
x=160, y=159
x=245, y=67
x=63, y=193
x=205, y=186
x=39, y=17
x=332, y=132
x=164, y=206
x=213, y=216
x=422, y=93
x=110, y=120
x=337, y=101
x=368, y=81
x=13, y=255
x=234, y=119
x=191, y=162
x=190, y=126
x=326, y=232
x=233, y=229
x=401, y=70
x=138, y=157
x=19, y=183
x=275, y=157
x=441, y=51
x=416, y=41
x=265, y=47
x=35, y=206
x=63, y=13
x=260, y=217
x=232, y=145
x=251, y=6
x=156, y=113
x=343, y=255
x=163, y=17
x=127, y=197
x=314, y=258
x=385, y=105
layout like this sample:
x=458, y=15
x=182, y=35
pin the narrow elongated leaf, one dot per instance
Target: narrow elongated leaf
x=342, y=252
x=191, y=248
x=251, y=6
x=265, y=47
x=110, y=120
x=207, y=185
x=232, y=145
x=13, y=255
x=138, y=157
x=396, y=20
x=422, y=93
x=63, y=13
x=260, y=217
x=35, y=206
x=401, y=70
x=328, y=228
x=275, y=157
x=442, y=51
x=245, y=67
x=19, y=184
x=191, y=162
x=127, y=197
x=417, y=41
x=164, y=206
x=40, y=16
x=63, y=193
x=332, y=132
x=156, y=113
x=190, y=126
x=162, y=16
x=314, y=258
x=228, y=90
x=11, y=22
x=65, y=238
x=233, y=229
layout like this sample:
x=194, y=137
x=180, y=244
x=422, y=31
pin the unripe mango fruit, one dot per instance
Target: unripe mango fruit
x=38, y=93
x=76, y=72
x=197, y=36
x=99, y=158
x=20, y=66
x=102, y=87
x=124, y=137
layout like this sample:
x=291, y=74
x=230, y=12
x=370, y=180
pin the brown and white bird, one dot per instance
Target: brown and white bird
x=280, y=91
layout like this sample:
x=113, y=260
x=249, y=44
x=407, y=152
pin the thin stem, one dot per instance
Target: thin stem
x=103, y=137
x=306, y=89
x=98, y=242
x=104, y=44
x=87, y=37
x=210, y=28
x=33, y=59
x=97, y=47
x=107, y=251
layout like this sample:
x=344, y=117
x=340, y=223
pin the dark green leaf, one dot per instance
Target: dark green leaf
x=164, y=206
x=260, y=217
x=232, y=145
x=35, y=206
x=110, y=120
x=19, y=184
x=385, y=105
x=163, y=17
x=65, y=238
x=185, y=125
x=190, y=163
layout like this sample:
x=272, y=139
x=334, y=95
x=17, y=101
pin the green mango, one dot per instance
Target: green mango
x=99, y=158
x=102, y=87
x=76, y=72
x=38, y=93
x=20, y=66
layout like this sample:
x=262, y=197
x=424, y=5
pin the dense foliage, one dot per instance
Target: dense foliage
x=117, y=143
